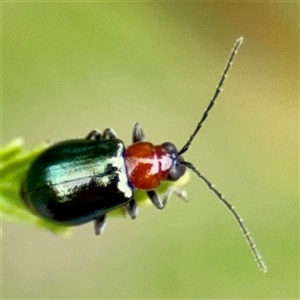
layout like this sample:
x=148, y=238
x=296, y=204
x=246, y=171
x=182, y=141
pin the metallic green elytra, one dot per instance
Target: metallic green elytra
x=76, y=181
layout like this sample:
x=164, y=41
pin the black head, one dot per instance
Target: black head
x=178, y=168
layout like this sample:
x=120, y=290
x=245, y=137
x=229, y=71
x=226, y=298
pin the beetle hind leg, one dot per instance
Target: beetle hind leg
x=94, y=135
x=161, y=203
x=108, y=134
x=100, y=224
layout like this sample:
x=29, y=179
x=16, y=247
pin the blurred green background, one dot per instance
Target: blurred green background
x=70, y=67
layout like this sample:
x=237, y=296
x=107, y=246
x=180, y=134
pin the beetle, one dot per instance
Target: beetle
x=77, y=181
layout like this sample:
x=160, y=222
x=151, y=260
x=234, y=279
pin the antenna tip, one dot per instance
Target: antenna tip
x=240, y=40
x=263, y=267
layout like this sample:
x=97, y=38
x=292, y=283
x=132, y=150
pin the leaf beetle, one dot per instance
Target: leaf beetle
x=77, y=181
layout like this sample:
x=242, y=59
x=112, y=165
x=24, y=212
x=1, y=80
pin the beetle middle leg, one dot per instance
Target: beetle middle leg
x=132, y=209
x=100, y=224
x=160, y=204
x=109, y=134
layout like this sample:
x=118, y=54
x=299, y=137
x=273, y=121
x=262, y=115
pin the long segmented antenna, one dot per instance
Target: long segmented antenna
x=239, y=219
x=217, y=92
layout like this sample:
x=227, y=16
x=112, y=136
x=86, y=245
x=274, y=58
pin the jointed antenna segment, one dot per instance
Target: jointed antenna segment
x=217, y=92
x=238, y=218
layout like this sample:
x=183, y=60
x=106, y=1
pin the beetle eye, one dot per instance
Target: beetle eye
x=176, y=172
x=177, y=169
x=170, y=148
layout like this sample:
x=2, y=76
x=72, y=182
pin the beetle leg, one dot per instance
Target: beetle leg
x=109, y=134
x=94, y=135
x=99, y=224
x=155, y=199
x=132, y=209
x=138, y=133
x=173, y=190
x=160, y=204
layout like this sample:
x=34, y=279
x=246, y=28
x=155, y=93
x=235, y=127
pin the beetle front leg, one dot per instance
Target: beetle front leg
x=174, y=190
x=94, y=135
x=160, y=204
x=138, y=133
x=109, y=134
x=100, y=224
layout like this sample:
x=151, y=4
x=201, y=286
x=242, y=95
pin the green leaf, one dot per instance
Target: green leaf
x=15, y=162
